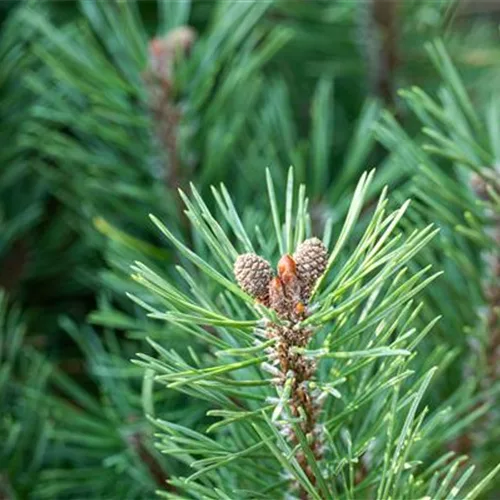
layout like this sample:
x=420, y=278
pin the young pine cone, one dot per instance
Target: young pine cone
x=253, y=274
x=311, y=258
x=166, y=50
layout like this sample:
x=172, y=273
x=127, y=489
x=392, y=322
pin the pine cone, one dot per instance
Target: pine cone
x=311, y=258
x=165, y=50
x=253, y=274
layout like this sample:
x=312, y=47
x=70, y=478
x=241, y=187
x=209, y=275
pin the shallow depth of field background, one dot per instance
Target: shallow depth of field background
x=107, y=108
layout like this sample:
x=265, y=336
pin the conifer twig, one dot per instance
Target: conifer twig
x=487, y=189
x=288, y=294
x=164, y=54
x=382, y=48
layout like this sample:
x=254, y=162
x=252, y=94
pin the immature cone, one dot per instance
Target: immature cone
x=311, y=258
x=165, y=50
x=253, y=274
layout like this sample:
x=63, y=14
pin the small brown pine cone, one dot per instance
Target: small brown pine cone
x=311, y=258
x=253, y=274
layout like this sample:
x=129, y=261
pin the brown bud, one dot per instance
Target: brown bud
x=287, y=270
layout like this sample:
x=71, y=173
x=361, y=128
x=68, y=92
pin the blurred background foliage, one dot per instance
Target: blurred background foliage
x=108, y=107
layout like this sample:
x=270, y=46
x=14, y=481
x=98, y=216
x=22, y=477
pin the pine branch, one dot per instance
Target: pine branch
x=308, y=333
x=460, y=193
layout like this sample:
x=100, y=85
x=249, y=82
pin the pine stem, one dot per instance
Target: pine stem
x=482, y=187
x=166, y=112
x=302, y=371
x=465, y=443
x=382, y=48
x=151, y=462
x=288, y=294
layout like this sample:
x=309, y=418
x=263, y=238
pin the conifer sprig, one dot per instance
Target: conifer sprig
x=456, y=186
x=316, y=392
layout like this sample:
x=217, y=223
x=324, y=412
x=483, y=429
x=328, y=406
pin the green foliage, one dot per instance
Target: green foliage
x=23, y=427
x=455, y=185
x=377, y=440
x=64, y=440
x=86, y=156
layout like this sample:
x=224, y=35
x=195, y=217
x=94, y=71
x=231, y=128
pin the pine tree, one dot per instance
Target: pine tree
x=316, y=386
x=110, y=107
